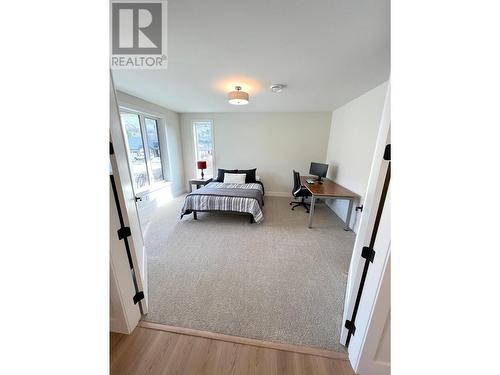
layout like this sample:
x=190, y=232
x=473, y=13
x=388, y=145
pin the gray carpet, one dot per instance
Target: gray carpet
x=276, y=281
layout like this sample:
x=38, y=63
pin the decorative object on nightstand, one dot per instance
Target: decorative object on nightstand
x=198, y=182
x=202, y=164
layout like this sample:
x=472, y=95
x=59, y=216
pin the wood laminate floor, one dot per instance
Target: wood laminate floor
x=149, y=351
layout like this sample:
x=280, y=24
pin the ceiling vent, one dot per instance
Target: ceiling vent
x=277, y=87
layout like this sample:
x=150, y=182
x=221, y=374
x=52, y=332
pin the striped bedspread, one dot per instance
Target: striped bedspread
x=218, y=196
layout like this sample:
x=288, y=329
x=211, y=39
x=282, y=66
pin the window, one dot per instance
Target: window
x=204, y=144
x=144, y=154
x=154, y=149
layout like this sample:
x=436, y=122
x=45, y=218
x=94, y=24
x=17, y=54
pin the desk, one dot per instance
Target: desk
x=328, y=189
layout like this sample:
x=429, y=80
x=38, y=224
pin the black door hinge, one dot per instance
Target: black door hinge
x=124, y=232
x=111, y=149
x=368, y=253
x=387, y=152
x=138, y=296
x=350, y=326
x=359, y=208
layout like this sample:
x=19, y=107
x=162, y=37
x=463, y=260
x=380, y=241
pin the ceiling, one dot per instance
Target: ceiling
x=327, y=52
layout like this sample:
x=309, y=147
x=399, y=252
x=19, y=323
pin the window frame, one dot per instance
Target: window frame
x=152, y=185
x=149, y=164
x=195, y=140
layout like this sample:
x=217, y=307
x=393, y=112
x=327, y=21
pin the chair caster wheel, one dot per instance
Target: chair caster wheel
x=290, y=203
x=293, y=208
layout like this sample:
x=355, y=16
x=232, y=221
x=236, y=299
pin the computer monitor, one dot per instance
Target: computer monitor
x=318, y=169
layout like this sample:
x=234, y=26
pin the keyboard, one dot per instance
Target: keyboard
x=310, y=181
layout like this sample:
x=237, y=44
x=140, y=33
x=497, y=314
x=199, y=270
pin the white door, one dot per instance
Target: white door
x=369, y=344
x=123, y=180
x=375, y=358
x=124, y=314
x=369, y=348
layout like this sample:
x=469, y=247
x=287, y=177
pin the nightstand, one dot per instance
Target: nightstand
x=198, y=182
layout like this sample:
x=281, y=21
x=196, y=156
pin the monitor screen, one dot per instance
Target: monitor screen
x=318, y=169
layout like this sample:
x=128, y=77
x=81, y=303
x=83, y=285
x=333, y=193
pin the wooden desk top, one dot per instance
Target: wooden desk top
x=327, y=189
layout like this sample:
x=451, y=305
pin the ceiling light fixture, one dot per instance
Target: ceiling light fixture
x=238, y=97
x=277, y=87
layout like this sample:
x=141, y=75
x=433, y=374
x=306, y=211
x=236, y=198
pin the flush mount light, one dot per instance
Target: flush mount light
x=238, y=97
x=277, y=87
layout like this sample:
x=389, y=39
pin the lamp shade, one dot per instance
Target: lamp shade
x=202, y=164
x=238, y=97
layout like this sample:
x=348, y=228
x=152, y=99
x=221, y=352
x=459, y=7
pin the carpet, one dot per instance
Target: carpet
x=275, y=281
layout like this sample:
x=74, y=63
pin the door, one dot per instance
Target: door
x=126, y=197
x=124, y=314
x=369, y=349
x=375, y=358
x=373, y=195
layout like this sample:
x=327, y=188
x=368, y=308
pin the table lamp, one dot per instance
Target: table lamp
x=202, y=165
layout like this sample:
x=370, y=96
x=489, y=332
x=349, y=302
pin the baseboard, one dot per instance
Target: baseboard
x=179, y=192
x=246, y=341
x=278, y=194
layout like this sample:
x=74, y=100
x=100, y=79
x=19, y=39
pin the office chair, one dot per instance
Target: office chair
x=299, y=191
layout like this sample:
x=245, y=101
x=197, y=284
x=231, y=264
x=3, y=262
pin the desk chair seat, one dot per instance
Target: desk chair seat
x=299, y=191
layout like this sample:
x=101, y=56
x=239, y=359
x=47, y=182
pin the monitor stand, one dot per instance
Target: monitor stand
x=319, y=180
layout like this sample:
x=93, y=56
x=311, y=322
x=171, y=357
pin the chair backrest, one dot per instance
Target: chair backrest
x=296, y=182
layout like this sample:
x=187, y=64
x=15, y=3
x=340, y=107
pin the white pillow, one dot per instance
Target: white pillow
x=234, y=178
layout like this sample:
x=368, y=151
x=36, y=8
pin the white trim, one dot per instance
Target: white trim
x=179, y=192
x=139, y=110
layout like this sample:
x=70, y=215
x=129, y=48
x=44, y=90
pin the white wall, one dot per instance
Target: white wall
x=353, y=135
x=169, y=129
x=274, y=143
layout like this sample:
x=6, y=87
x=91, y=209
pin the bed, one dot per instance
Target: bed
x=240, y=198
